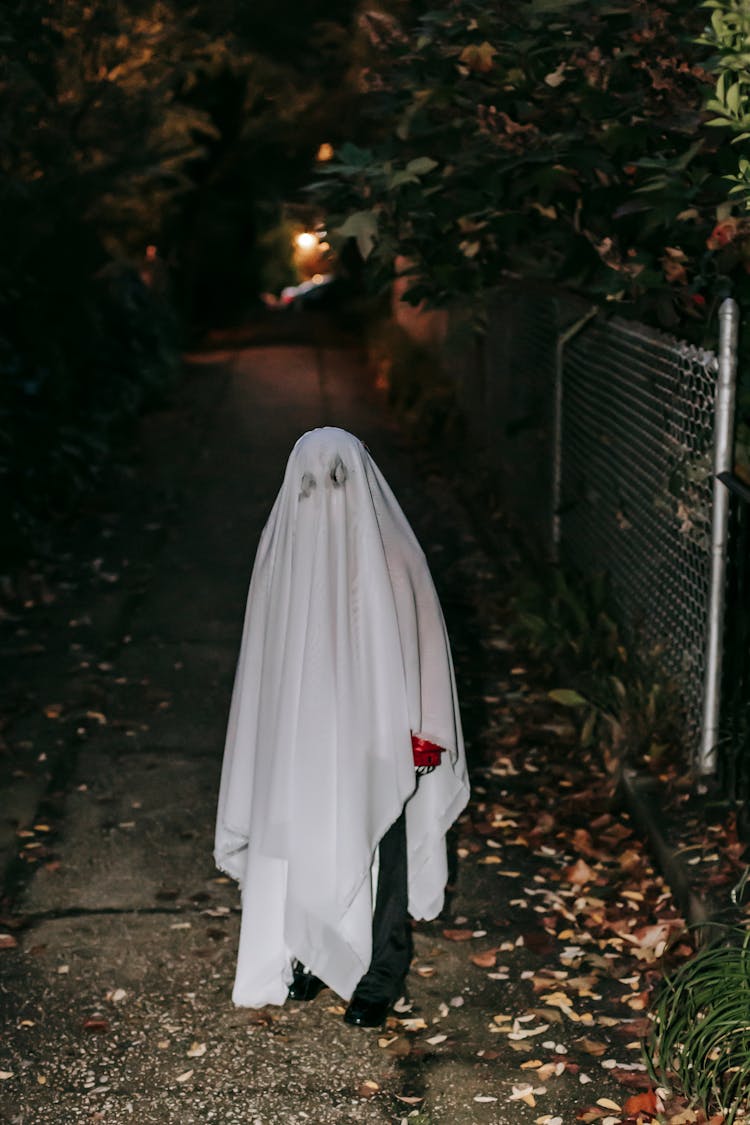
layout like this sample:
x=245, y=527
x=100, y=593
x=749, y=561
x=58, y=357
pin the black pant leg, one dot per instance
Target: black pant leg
x=391, y=931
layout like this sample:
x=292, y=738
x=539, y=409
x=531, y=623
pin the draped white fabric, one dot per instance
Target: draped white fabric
x=344, y=655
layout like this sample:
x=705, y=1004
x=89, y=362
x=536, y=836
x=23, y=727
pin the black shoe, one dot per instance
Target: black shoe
x=305, y=986
x=366, y=1013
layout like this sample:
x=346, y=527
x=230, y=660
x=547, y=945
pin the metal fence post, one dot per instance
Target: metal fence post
x=562, y=340
x=706, y=762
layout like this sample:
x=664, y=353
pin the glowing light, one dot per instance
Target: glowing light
x=325, y=152
x=306, y=240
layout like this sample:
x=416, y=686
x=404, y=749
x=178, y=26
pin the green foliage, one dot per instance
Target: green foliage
x=620, y=696
x=567, y=697
x=700, y=1040
x=557, y=140
x=729, y=35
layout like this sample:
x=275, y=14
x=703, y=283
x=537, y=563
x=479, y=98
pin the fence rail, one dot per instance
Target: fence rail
x=604, y=439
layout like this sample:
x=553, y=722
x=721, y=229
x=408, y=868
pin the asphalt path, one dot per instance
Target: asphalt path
x=118, y=936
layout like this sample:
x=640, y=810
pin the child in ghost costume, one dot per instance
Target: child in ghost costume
x=344, y=690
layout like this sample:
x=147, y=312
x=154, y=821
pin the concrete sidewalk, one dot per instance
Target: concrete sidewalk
x=116, y=998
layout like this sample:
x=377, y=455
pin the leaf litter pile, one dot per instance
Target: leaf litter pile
x=583, y=928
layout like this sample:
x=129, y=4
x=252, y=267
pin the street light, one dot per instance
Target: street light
x=306, y=241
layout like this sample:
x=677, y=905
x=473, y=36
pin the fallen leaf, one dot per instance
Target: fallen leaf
x=399, y=1047
x=528, y=1032
x=562, y=1001
x=578, y=873
x=7, y=941
x=96, y=1024
x=650, y=937
x=549, y=1015
x=633, y=1080
x=550, y=1070
x=607, y=1103
x=196, y=1050
x=634, y=896
x=367, y=1089
x=523, y=1093
x=409, y=1099
x=5, y=1075
x=263, y=1018
x=592, y=1046
x=630, y=859
x=458, y=935
x=185, y=1076
x=647, y=1103
x=583, y=843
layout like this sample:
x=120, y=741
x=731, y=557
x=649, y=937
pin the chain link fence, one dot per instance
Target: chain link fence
x=599, y=436
x=637, y=483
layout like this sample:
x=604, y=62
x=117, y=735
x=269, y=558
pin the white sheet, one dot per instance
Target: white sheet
x=344, y=655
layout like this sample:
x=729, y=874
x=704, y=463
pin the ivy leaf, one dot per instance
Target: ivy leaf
x=362, y=226
x=553, y=5
x=421, y=165
x=568, y=697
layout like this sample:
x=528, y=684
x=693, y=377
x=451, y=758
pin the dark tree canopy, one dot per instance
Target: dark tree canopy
x=124, y=125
